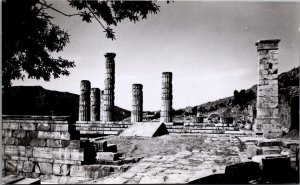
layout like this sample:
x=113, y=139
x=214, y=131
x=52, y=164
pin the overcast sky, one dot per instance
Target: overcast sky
x=209, y=47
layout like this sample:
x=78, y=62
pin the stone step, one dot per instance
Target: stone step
x=29, y=181
x=271, y=150
x=11, y=179
x=270, y=142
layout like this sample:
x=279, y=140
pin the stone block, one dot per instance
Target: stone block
x=59, y=127
x=6, y=133
x=11, y=179
x=8, y=140
x=12, y=126
x=17, y=158
x=27, y=126
x=19, y=133
x=57, y=161
x=57, y=143
x=61, y=169
x=43, y=127
x=61, y=154
x=43, y=160
x=89, y=171
x=13, y=150
x=31, y=134
x=77, y=171
x=251, y=151
x=271, y=142
x=22, y=141
x=271, y=150
x=38, y=142
x=100, y=146
x=28, y=166
x=43, y=152
x=28, y=151
x=106, y=156
x=11, y=165
x=77, y=154
x=54, y=135
x=44, y=168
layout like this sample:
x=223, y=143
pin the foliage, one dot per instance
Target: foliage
x=30, y=38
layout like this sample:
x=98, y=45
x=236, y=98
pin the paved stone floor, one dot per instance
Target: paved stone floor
x=183, y=167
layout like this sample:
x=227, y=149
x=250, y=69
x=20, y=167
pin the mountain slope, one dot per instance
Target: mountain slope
x=35, y=100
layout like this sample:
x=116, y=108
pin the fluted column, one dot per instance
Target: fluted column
x=84, y=100
x=166, y=109
x=267, y=118
x=137, y=103
x=109, y=87
x=101, y=104
x=95, y=104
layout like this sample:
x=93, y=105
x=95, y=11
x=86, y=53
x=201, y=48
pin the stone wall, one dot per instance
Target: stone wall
x=267, y=118
x=40, y=146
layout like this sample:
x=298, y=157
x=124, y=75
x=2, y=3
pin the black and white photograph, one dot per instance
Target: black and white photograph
x=150, y=92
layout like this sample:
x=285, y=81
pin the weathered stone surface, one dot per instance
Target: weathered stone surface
x=251, y=151
x=28, y=151
x=106, y=156
x=38, y=142
x=67, y=162
x=54, y=135
x=61, y=154
x=8, y=140
x=27, y=126
x=29, y=181
x=11, y=179
x=13, y=126
x=43, y=152
x=271, y=150
x=13, y=150
x=44, y=168
x=28, y=166
x=77, y=154
x=43, y=160
x=59, y=128
x=43, y=127
x=145, y=129
x=61, y=169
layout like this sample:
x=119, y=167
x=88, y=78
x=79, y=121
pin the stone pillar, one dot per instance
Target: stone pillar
x=84, y=100
x=137, y=103
x=267, y=119
x=109, y=87
x=95, y=104
x=101, y=105
x=166, y=109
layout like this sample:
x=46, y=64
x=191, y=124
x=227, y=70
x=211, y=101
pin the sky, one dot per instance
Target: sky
x=209, y=47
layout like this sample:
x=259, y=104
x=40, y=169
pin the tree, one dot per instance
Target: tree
x=29, y=36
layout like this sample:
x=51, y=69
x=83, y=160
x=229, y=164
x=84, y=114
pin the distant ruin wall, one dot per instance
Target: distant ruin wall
x=47, y=146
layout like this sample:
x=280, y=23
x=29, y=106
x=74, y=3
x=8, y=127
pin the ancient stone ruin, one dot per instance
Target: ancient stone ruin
x=267, y=119
x=137, y=103
x=166, y=97
x=84, y=100
x=95, y=104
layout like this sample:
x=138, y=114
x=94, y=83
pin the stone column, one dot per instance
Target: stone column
x=166, y=109
x=84, y=100
x=95, y=104
x=109, y=87
x=137, y=103
x=267, y=119
x=101, y=105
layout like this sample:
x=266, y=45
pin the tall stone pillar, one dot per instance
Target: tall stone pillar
x=84, y=100
x=109, y=87
x=95, y=104
x=101, y=105
x=166, y=97
x=137, y=103
x=267, y=118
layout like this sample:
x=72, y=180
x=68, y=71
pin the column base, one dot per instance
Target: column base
x=268, y=127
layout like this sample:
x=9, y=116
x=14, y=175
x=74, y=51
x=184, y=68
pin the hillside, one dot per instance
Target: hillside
x=288, y=86
x=35, y=100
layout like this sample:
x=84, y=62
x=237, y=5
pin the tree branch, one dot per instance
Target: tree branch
x=50, y=6
x=95, y=17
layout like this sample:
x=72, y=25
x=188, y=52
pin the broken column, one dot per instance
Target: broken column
x=137, y=103
x=267, y=119
x=95, y=104
x=101, y=105
x=84, y=100
x=166, y=109
x=109, y=86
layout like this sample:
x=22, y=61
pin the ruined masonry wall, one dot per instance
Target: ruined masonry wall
x=267, y=118
x=40, y=146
